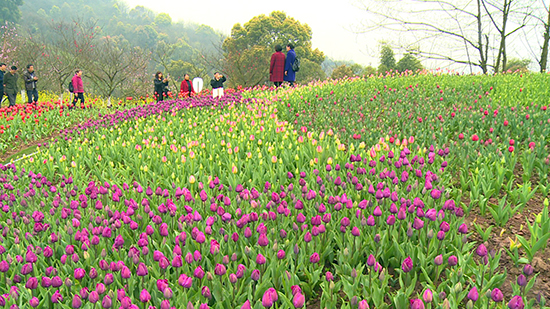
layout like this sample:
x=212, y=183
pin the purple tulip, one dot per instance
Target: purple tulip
x=522, y=281
x=407, y=265
x=34, y=302
x=142, y=270
x=205, y=291
x=363, y=304
x=220, y=270
x=299, y=300
x=106, y=302
x=329, y=276
x=255, y=275
x=496, y=295
x=418, y=223
x=269, y=298
x=528, y=270
x=417, y=304
x=473, y=295
x=4, y=266
x=314, y=258
x=185, y=281
x=246, y=305
x=453, y=260
x=516, y=303
x=93, y=297
x=144, y=296
x=199, y=272
x=427, y=296
x=79, y=273
x=56, y=297
x=481, y=250
x=260, y=259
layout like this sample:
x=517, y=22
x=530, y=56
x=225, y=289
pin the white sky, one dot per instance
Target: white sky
x=331, y=22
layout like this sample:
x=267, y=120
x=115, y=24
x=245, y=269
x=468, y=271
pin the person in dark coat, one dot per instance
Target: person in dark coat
x=2, y=72
x=186, y=87
x=277, y=66
x=30, y=84
x=290, y=75
x=217, y=85
x=161, y=85
x=11, y=88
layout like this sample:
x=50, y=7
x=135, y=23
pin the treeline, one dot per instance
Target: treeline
x=119, y=48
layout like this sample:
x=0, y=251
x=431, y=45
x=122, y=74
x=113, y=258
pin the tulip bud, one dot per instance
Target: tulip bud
x=522, y=281
x=354, y=301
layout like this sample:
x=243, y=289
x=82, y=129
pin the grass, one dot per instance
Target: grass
x=21, y=153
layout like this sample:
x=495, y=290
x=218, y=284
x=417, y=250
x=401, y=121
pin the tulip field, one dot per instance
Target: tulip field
x=399, y=191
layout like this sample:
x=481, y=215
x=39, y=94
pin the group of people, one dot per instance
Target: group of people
x=280, y=70
x=9, y=84
x=281, y=67
x=186, y=86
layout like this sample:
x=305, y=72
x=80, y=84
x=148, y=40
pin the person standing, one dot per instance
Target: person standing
x=30, y=84
x=290, y=75
x=10, y=85
x=161, y=85
x=186, y=87
x=277, y=66
x=78, y=88
x=217, y=85
x=2, y=72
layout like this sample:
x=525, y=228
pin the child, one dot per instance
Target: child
x=217, y=85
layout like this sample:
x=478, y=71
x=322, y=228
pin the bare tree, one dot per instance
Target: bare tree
x=113, y=64
x=543, y=61
x=455, y=31
x=70, y=47
x=459, y=27
x=506, y=12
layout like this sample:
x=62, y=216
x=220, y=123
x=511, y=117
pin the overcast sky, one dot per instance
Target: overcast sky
x=331, y=22
x=335, y=26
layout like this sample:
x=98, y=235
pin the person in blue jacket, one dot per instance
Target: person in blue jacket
x=290, y=75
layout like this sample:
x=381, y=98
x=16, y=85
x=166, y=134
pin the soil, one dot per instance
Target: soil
x=500, y=240
x=21, y=147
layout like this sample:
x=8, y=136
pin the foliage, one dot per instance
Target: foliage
x=247, y=51
x=387, y=59
x=409, y=63
x=47, y=30
x=342, y=71
x=10, y=11
x=518, y=65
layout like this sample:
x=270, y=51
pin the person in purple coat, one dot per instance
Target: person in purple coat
x=277, y=66
x=290, y=75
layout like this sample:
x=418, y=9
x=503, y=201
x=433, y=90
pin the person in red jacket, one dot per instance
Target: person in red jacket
x=277, y=67
x=78, y=88
x=186, y=88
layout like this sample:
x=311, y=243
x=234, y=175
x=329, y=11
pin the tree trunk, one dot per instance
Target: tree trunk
x=482, y=57
x=544, y=53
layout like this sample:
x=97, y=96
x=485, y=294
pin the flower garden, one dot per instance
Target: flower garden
x=409, y=191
